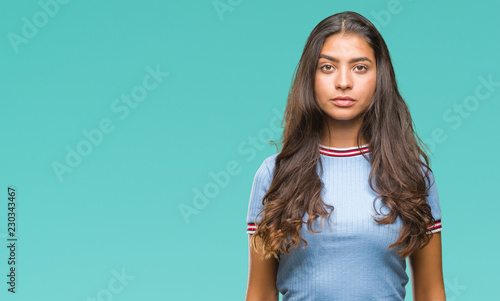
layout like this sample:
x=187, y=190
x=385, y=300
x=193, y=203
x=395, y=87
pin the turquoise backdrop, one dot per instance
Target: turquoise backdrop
x=117, y=116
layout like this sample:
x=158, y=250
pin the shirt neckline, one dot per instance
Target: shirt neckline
x=352, y=151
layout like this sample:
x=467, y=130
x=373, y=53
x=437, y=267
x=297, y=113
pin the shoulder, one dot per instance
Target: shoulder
x=266, y=169
x=268, y=163
x=270, y=160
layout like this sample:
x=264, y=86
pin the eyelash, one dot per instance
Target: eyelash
x=365, y=67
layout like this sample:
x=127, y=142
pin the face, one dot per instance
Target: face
x=346, y=68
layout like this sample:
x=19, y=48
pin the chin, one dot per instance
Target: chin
x=342, y=117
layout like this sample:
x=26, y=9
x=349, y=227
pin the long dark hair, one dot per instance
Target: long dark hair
x=397, y=159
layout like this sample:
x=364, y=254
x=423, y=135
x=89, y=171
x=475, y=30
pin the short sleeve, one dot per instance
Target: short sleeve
x=433, y=201
x=261, y=183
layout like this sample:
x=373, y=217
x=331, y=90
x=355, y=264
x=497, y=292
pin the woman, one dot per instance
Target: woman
x=352, y=172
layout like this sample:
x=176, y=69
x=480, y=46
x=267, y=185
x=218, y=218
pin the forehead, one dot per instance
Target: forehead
x=347, y=46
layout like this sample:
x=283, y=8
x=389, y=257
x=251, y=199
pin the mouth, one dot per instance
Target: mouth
x=345, y=97
x=343, y=101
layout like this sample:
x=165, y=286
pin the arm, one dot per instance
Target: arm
x=261, y=278
x=427, y=272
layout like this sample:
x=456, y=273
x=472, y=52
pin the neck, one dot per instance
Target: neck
x=342, y=133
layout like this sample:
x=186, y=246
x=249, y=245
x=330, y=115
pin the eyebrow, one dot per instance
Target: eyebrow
x=354, y=60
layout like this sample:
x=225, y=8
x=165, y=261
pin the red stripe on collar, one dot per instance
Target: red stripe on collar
x=343, y=152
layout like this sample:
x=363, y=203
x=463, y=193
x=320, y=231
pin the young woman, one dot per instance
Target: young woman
x=335, y=214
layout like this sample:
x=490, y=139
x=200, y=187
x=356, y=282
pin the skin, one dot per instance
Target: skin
x=336, y=76
x=261, y=277
x=426, y=272
x=340, y=77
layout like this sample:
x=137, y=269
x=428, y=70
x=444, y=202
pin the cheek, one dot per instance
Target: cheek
x=369, y=85
x=321, y=86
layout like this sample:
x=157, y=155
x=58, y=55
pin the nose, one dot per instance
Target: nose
x=343, y=79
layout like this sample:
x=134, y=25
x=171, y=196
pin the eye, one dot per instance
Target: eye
x=327, y=67
x=362, y=66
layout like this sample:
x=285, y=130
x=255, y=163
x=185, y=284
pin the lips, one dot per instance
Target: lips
x=343, y=101
x=343, y=98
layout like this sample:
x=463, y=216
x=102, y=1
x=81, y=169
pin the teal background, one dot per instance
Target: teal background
x=227, y=77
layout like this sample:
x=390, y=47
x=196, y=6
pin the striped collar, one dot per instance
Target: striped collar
x=343, y=152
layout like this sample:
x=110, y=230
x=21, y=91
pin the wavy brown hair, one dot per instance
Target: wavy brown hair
x=397, y=159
